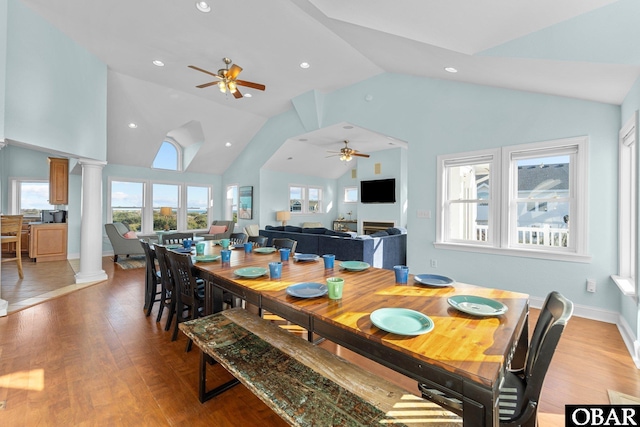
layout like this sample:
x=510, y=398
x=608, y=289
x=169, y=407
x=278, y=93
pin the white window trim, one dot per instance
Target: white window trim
x=305, y=199
x=228, y=206
x=627, y=208
x=348, y=188
x=499, y=202
x=147, y=202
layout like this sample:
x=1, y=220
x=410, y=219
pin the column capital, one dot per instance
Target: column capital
x=92, y=162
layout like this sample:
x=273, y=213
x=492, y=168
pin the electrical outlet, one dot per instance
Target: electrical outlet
x=434, y=263
x=591, y=285
x=424, y=214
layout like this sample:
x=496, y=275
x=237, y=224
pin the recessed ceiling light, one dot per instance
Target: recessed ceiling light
x=304, y=65
x=158, y=63
x=347, y=127
x=451, y=70
x=303, y=139
x=247, y=95
x=133, y=125
x=289, y=158
x=227, y=144
x=203, y=6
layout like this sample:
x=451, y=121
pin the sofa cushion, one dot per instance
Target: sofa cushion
x=217, y=229
x=337, y=233
x=274, y=228
x=392, y=231
x=293, y=229
x=379, y=234
x=314, y=230
x=312, y=225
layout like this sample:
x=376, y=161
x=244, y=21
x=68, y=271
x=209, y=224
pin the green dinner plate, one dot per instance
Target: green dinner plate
x=354, y=265
x=401, y=321
x=251, y=272
x=264, y=250
x=477, y=306
x=207, y=258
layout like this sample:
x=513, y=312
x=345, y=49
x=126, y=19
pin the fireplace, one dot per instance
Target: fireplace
x=370, y=227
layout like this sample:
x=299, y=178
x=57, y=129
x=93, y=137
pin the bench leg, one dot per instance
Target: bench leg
x=203, y=394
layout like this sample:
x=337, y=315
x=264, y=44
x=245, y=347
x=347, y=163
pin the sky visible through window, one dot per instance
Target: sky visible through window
x=34, y=195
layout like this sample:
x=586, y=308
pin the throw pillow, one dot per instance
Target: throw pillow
x=380, y=234
x=217, y=229
x=312, y=225
x=392, y=231
x=130, y=235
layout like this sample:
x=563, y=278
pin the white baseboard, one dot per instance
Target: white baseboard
x=628, y=336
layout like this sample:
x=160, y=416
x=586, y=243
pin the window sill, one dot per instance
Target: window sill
x=626, y=284
x=555, y=256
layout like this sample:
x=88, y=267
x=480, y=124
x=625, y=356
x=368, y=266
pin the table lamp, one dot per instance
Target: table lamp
x=283, y=216
x=166, y=212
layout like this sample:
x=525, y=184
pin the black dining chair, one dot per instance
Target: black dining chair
x=280, y=243
x=175, y=238
x=258, y=241
x=167, y=296
x=189, y=296
x=520, y=389
x=238, y=238
x=152, y=278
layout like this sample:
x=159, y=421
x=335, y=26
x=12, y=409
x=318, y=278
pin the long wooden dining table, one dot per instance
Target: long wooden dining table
x=464, y=356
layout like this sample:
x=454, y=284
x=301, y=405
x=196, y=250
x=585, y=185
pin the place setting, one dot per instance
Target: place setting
x=433, y=280
x=305, y=257
x=251, y=272
x=477, y=306
x=401, y=321
x=354, y=265
x=333, y=288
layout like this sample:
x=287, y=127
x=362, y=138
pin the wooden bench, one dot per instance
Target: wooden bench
x=304, y=384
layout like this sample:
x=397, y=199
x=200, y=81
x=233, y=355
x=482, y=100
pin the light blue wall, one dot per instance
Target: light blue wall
x=437, y=117
x=55, y=92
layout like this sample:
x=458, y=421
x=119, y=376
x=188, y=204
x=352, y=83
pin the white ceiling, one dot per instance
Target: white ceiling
x=575, y=48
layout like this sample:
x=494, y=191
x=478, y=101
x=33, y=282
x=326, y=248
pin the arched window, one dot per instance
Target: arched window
x=168, y=156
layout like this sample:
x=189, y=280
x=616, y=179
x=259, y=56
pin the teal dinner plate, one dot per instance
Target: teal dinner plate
x=354, y=265
x=251, y=272
x=307, y=290
x=264, y=250
x=207, y=258
x=401, y=321
x=173, y=246
x=433, y=280
x=306, y=257
x=477, y=306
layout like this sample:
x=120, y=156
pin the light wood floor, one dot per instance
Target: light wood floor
x=91, y=357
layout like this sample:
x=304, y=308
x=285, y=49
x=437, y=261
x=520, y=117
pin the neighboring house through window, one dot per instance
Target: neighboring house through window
x=525, y=199
x=303, y=199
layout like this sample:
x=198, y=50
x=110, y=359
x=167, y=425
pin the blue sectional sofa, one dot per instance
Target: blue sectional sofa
x=380, y=251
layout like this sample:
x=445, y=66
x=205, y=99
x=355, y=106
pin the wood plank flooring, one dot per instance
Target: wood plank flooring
x=92, y=357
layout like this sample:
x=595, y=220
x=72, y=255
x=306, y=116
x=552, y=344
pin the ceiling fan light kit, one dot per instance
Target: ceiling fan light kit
x=346, y=153
x=228, y=79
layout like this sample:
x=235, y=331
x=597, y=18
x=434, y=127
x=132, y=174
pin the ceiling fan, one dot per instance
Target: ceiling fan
x=347, y=153
x=228, y=79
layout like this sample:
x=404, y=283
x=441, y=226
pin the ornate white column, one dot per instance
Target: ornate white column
x=91, y=223
x=4, y=304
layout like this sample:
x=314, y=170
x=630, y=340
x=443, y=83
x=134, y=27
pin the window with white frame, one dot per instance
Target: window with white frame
x=303, y=199
x=29, y=197
x=529, y=198
x=350, y=194
x=139, y=204
x=168, y=156
x=627, y=207
x=232, y=203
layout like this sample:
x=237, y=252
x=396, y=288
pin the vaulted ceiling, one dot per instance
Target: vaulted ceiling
x=577, y=48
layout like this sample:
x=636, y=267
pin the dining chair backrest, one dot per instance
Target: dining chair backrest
x=238, y=238
x=150, y=258
x=175, y=238
x=184, y=280
x=11, y=225
x=520, y=392
x=163, y=266
x=258, y=241
x=280, y=243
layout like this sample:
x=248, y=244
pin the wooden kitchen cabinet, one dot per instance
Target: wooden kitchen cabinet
x=48, y=242
x=58, y=181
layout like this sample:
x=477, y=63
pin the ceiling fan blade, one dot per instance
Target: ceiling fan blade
x=204, y=71
x=207, y=85
x=360, y=155
x=237, y=94
x=252, y=85
x=233, y=72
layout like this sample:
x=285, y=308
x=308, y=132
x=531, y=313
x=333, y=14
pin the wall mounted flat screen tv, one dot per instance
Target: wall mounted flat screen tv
x=378, y=191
